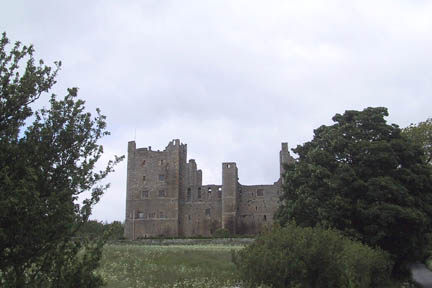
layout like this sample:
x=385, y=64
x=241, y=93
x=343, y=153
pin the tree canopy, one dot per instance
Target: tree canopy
x=361, y=176
x=47, y=159
x=421, y=134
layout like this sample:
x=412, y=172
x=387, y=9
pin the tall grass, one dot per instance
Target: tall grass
x=168, y=266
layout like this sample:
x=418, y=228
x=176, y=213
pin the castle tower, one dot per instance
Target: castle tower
x=154, y=189
x=229, y=196
x=129, y=183
x=284, y=158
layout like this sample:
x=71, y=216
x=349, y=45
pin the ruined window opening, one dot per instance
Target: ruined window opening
x=189, y=194
x=199, y=193
x=143, y=178
x=141, y=215
x=219, y=192
x=207, y=212
x=152, y=215
x=189, y=217
x=143, y=162
x=161, y=177
x=228, y=165
x=161, y=215
x=209, y=190
x=260, y=192
x=265, y=217
x=144, y=194
x=256, y=208
x=161, y=162
x=161, y=193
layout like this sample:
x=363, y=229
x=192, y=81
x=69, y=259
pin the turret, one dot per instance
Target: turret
x=229, y=196
x=128, y=233
x=284, y=158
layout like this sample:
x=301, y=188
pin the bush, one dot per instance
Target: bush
x=222, y=233
x=311, y=257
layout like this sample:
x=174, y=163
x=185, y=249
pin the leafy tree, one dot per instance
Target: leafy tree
x=311, y=257
x=363, y=177
x=91, y=229
x=44, y=166
x=421, y=134
x=115, y=230
x=94, y=229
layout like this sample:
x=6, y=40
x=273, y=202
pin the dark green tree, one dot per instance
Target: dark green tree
x=94, y=229
x=308, y=257
x=421, y=134
x=47, y=159
x=361, y=176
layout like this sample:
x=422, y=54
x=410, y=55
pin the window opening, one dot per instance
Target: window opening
x=199, y=193
x=207, y=212
x=144, y=194
x=161, y=193
x=189, y=194
x=260, y=192
x=161, y=177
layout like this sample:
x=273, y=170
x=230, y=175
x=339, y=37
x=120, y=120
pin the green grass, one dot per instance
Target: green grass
x=134, y=265
x=168, y=266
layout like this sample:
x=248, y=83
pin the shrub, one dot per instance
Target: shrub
x=222, y=233
x=311, y=257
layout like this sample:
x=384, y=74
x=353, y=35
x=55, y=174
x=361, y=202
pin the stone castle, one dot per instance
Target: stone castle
x=165, y=196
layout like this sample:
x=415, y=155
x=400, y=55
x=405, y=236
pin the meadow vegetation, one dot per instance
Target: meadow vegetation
x=134, y=265
x=126, y=265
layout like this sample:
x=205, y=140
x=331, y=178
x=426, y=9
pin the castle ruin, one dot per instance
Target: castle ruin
x=165, y=196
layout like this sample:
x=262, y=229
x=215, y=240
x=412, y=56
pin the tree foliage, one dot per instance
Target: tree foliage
x=421, y=134
x=361, y=176
x=45, y=165
x=95, y=229
x=311, y=257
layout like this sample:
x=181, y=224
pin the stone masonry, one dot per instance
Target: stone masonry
x=165, y=196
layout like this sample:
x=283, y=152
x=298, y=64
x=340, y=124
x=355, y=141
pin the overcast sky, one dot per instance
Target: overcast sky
x=232, y=79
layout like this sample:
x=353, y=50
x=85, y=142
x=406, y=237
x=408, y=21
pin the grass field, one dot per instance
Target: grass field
x=168, y=266
x=185, y=266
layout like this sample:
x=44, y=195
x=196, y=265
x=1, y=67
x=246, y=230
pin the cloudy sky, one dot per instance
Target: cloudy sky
x=232, y=79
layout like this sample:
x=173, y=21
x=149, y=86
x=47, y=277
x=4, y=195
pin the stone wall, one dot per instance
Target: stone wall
x=257, y=205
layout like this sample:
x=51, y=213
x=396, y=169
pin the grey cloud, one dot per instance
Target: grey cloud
x=232, y=79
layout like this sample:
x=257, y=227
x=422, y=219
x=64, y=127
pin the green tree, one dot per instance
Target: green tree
x=311, y=257
x=47, y=159
x=94, y=229
x=115, y=230
x=363, y=177
x=421, y=134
